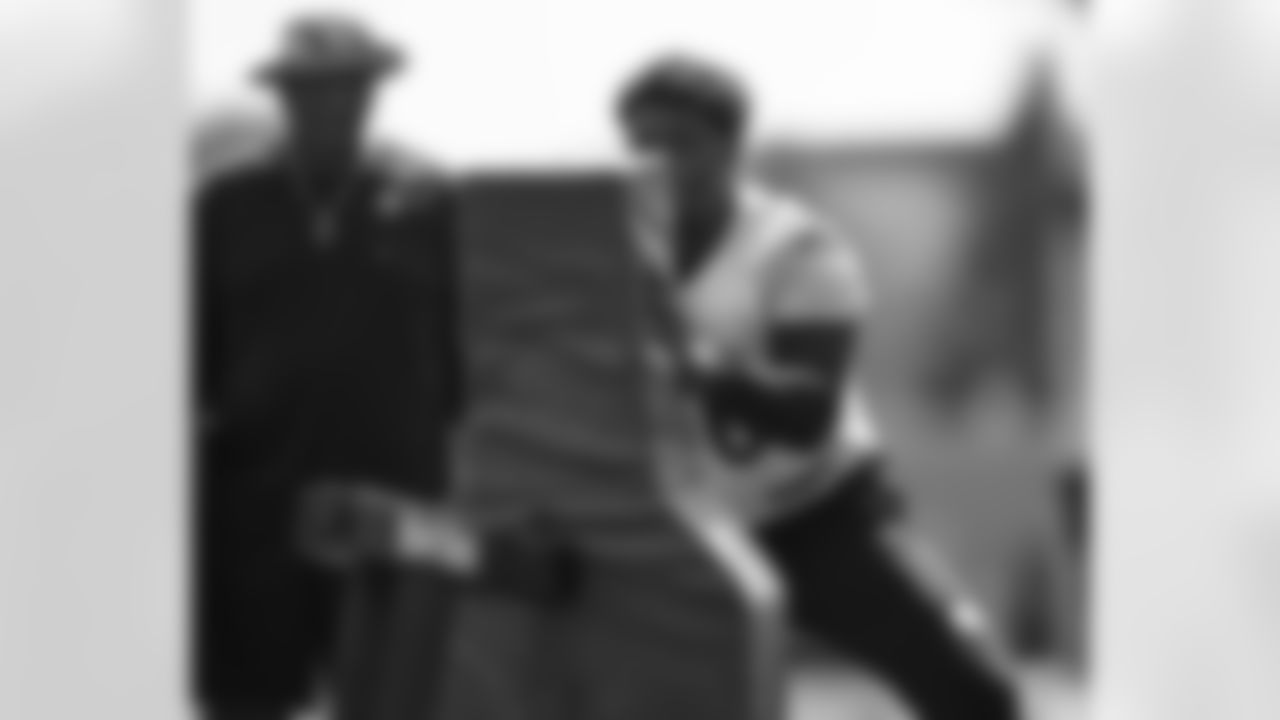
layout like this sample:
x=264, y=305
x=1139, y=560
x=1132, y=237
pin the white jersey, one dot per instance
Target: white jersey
x=778, y=262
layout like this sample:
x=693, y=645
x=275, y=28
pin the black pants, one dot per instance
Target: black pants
x=852, y=593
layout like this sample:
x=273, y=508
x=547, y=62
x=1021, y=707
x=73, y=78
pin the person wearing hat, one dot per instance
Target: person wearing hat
x=775, y=302
x=326, y=355
x=320, y=276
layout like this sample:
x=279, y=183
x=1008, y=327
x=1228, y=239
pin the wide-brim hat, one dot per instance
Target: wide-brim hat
x=330, y=46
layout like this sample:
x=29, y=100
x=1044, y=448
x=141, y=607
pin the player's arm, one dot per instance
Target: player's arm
x=792, y=394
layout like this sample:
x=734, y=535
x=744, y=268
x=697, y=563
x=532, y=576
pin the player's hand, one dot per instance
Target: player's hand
x=436, y=536
x=348, y=523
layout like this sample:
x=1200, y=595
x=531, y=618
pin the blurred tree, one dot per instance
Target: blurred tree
x=1032, y=197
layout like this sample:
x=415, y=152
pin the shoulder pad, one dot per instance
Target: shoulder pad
x=818, y=269
x=784, y=220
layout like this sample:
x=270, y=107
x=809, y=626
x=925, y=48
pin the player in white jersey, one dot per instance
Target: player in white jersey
x=773, y=303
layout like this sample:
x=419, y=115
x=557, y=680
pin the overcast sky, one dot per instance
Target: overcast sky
x=532, y=80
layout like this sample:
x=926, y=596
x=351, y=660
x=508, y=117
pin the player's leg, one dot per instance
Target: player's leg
x=852, y=592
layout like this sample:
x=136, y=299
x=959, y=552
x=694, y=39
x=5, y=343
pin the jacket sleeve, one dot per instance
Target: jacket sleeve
x=450, y=333
x=208, y=351
x=433, y=208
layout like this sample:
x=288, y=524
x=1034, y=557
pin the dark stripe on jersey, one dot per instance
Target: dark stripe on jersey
x=801, y=418
x=825, y=348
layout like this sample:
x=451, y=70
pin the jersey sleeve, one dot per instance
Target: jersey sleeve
x=818, y=277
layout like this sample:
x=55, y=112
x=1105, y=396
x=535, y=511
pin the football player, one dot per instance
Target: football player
x=774, y=302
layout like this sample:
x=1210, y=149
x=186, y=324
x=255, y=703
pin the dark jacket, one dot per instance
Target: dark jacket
x=313, y=362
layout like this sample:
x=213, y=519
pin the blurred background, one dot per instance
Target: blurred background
x=977, y=247
x=943, y=134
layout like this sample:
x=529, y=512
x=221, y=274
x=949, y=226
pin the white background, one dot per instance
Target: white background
x=506, y=81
